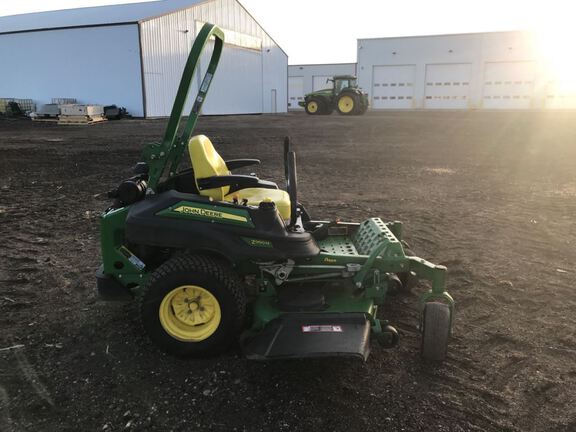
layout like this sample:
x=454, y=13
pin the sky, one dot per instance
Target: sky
x=324, y=31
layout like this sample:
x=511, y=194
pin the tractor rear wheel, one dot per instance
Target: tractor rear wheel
x=436, y=323
x=193, y=306
x=314, y=107
x=361, y=109
x=347, y=103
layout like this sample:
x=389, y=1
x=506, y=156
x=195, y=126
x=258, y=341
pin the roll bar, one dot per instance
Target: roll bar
x=169, y=152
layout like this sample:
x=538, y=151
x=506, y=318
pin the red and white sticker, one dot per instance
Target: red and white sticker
x=322, y=329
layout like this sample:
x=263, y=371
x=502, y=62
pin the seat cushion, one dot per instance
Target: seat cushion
x=206, y=162
x=256, y=195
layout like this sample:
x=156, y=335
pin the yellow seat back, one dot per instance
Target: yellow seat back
x=206, y=162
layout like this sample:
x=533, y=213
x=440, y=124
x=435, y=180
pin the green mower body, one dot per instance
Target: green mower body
x=344, y=96
x=211, y=272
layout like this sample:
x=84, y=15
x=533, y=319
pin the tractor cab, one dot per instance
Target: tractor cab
x=342, y=82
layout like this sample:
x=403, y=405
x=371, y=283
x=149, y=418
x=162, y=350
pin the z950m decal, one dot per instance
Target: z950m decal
x=258, y=242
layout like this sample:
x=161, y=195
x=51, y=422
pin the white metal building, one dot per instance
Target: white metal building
x=500, y=70
x=304, y=79
x=133, y=55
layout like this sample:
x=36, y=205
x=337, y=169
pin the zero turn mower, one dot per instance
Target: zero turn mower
x=214, y=258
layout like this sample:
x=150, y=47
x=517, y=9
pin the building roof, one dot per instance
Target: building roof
x=92, y=16
x=323, y=64
x=446, y=35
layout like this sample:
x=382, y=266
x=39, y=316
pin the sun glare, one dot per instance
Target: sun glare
x=556, y=47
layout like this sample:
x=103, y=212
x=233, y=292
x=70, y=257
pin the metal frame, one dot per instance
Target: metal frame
x=169, y=152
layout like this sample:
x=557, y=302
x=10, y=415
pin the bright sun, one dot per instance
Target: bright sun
x=556, y=49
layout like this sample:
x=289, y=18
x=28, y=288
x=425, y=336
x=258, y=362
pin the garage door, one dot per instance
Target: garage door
x=448, y=86
x=508, y=85
x=558, y=97
x=319, y=82
x=295, y=92
x=393, y=87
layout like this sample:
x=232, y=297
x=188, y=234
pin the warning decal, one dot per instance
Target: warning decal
x=322, y=329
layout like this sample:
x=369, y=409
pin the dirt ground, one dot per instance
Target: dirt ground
x=491, y=195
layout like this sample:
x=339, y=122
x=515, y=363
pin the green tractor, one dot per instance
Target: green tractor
x=344, y=96
x=215, y=258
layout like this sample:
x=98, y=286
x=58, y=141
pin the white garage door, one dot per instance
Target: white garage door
x=295, y=92
x=393, y=87
x=508, y=85
x=448, y=86
x=558, y=97
x=319, y=82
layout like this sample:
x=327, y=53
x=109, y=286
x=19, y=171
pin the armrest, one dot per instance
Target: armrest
x=234, y=181
x=233, y=164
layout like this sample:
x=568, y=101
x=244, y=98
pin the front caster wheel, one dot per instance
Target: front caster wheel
x=436, y=329
x=193, y=306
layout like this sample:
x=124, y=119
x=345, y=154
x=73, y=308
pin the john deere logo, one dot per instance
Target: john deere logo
x=329, y=260
x=212, y=214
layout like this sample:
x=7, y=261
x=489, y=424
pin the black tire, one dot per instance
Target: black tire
x=347, y=103
x=436, y=323
x=361, y=109
x=212, y=275
x=319, y=104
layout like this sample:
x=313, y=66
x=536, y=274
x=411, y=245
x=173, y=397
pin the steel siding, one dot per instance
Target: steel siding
x=244, y=81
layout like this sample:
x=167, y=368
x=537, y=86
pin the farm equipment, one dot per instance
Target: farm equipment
x=214, y=258
x=16, y=107
x=344, y=96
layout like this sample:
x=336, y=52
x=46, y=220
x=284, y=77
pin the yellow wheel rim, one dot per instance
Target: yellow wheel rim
x=312, y=107
x=190, y=313
x=346, y=104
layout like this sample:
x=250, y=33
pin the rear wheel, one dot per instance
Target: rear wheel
x=193, y=306
x=361, y=109
x=436, y=323
x=346, y=104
